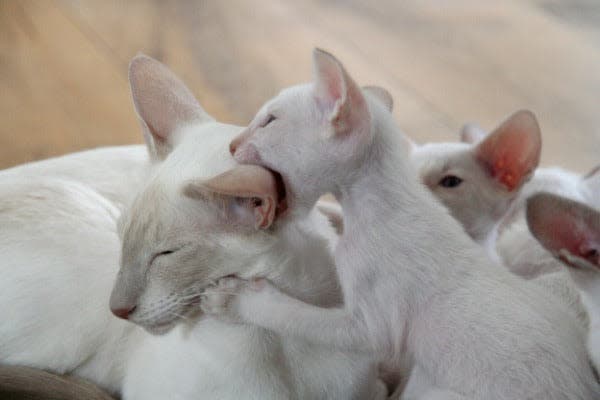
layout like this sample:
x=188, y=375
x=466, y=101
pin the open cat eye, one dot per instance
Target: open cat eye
x=450, y=181
x=270, y=119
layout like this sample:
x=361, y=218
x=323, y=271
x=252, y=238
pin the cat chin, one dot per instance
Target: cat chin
x=162, y=329
x=188, y=316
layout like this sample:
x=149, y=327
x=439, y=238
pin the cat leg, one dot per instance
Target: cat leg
x=421, y=387
x=260, y=303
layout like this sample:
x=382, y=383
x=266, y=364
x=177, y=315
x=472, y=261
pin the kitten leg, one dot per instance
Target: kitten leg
x=260, y=303
x=421, y=387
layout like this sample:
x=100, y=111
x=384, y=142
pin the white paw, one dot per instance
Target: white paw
x=221, y=300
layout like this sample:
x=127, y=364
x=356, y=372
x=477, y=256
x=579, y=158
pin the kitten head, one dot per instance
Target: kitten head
x=199, y=217
x=478, y=179
x=315, y=134
x=570, y=230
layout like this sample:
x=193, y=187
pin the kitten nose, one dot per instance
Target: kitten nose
x=235, y=143
x=123, y=313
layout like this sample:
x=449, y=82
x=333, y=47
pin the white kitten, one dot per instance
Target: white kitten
x=571, y=232
x=484, y=177
x=417, y=290
x=479, y=178
x=61, y=249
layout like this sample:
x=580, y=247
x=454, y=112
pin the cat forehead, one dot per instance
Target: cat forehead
x=440, y=156
x=297, y=95
x=202, y=151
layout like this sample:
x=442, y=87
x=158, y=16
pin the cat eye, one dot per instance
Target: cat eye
x=270, y=119
x=162, y=253
x=450, y=181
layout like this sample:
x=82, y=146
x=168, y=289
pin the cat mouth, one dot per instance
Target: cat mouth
x=282, y=198
x=188, y=313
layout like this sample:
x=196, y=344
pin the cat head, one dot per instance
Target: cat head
x=479, y=178
x=570, y=231
x=199, y=217
x=315, y=134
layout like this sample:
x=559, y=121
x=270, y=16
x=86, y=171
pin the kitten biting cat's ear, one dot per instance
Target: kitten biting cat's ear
x=248, y=195
x=162, y=103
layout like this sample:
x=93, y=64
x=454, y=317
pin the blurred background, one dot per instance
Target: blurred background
x=63, y=64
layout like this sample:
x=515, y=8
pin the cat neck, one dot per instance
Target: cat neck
x=391, y=218
x=301, y=262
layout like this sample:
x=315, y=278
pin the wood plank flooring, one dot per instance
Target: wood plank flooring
x=63, y=64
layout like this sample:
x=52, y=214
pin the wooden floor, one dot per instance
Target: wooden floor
x=63, y=64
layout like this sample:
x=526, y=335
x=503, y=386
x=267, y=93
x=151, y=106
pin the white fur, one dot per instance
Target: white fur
x=480, y=204
x=569, y=230
x=417, y=290
x=61, y=252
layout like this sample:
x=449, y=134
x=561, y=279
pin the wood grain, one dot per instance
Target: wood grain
x=63, y=64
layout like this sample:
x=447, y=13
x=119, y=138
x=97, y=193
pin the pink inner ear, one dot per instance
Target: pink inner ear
x=338, y=95
x=512, y=151
x=562, y=232
x=329, y=80
x=562, y=224
x=249, y=182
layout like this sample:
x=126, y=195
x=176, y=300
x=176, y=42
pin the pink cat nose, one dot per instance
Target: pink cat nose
x=123, y=312
x=235, y=143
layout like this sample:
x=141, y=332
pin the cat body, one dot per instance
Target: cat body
x=417, y=291
x=570, y=231
x=62, y=221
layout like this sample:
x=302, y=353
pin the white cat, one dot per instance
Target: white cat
x=417, y=290
x=571, y=232
x=488, y=176
x=60, y=238
x=479, y=178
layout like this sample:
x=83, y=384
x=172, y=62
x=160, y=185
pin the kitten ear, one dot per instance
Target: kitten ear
x=247, y=194
x=511, y=152
x=472, y=133
x=568, y=229
x=162, y=103
x=337, y=94
x=380, y=94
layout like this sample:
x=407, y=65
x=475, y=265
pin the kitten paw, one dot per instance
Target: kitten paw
x=221, y=300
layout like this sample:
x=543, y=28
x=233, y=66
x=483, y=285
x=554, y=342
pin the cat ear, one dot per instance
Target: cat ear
x=162, y=103
x=511, y=152
x=337, y=94
x=247, y=194
x=472, y=133
x=568, y=229
x=382, y=95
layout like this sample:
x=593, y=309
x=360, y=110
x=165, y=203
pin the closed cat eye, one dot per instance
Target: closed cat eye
x=162, y=253
x=450, y=181
x=270, y=119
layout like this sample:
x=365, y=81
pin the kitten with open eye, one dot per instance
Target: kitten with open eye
x=193, y=215
x=479, y=178
x=570, y=231
x=484, y=181
x=418, y=292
